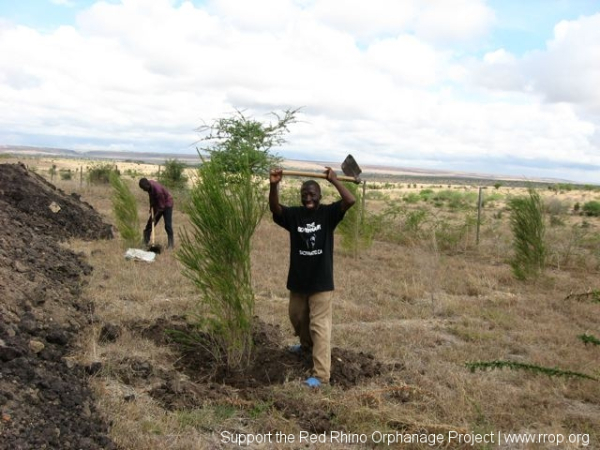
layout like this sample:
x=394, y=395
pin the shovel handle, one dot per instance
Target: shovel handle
x=152, y=234
x=297, y=173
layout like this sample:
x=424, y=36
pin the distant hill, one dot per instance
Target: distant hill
x=146, y=157
x=369, y=172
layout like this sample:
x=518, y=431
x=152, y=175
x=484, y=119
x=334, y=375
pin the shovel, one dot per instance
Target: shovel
x=349, y=167
x=154, y=248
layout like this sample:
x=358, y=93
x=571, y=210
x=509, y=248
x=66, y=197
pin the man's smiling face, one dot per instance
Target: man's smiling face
x=310, y=194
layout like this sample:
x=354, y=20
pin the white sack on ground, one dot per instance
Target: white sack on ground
x=136, y=253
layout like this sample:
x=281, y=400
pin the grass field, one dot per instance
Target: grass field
x=424, y=295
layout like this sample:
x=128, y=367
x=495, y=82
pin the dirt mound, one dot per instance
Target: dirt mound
x=44, y=399
x=201, y=379
x=270, y=362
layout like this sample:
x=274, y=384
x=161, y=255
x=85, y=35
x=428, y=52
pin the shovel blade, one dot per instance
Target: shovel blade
x=155, y=248
x=350, y=167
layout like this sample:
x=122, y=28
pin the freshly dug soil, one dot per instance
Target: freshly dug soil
x=44, y=398
x=200, y=378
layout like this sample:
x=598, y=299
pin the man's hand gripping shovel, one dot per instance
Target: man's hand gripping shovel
x=349, y=166
x=153, y=247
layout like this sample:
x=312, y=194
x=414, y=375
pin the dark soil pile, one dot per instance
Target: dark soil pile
x=44, y=399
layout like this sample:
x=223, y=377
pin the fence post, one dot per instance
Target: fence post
x=479, y=203
x=362, y=206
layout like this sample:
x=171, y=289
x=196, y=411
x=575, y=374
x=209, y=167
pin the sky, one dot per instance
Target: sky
x=500, y=87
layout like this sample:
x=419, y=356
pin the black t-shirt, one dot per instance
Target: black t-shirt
x=311, y=245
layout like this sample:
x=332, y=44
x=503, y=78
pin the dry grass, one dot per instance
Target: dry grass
x=430, y=311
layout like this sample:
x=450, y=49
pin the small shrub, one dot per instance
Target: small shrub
x=455, y=200
x=555, y=207
x=452, y=236
x=414, y=221
x=66, y=174
x=494, y=197
x=99, y=173
x=357, y=228
x=386, y=227
x=374, y=195
x=173, y=176
x=592, y=208
x=426, y=194
x=411, y=198
x=132, y=173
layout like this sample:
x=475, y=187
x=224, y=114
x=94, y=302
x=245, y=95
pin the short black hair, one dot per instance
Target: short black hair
x=144, y=183
x=308, y=183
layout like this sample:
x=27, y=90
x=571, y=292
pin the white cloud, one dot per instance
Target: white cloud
x=569, y=69
x=449, y=21
x=566, y=71
x=407, y=60
x=499, y=70
x=255, y=15
x=376, y=79
x=365, y=19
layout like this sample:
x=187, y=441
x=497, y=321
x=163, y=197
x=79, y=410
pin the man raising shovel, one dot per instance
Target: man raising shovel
x=310, y=276
x=161, y=205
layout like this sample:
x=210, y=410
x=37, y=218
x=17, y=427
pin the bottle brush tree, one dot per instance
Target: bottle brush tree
x=528, y=229
x=124, y=206
x=226, y=203
x=240, y=143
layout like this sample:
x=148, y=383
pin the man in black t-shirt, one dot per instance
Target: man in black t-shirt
x=310, y=276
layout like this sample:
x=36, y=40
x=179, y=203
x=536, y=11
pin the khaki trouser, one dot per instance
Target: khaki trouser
x=310, y=315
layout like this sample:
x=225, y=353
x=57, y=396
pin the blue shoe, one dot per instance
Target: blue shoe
x=312, y=382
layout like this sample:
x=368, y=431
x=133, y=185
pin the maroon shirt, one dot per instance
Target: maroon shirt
x=160, y=198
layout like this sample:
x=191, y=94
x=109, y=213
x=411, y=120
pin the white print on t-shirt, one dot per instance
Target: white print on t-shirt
x=309, y=228
x=309, y=237
x=313, y=253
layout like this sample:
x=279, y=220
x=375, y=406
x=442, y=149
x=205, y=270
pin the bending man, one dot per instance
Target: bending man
x=161, y=205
